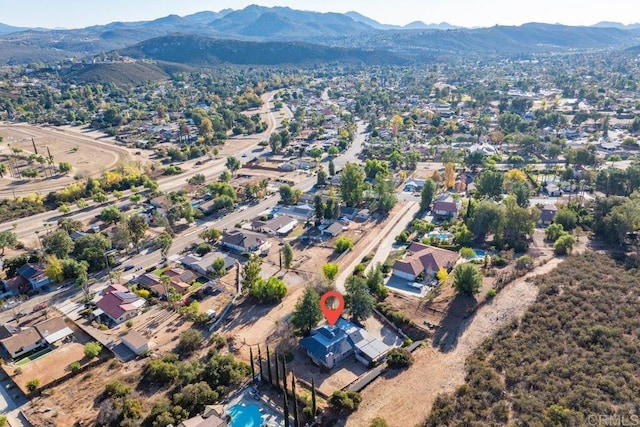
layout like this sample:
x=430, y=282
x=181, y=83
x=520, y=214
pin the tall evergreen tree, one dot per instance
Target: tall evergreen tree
x=260, y=364
x=269, y=367
x=285, y=407
x=277, y=372
x=253, y=370
x=296, y=421
x=314, y=407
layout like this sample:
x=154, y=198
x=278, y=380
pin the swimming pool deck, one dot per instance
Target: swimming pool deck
x=271, y=416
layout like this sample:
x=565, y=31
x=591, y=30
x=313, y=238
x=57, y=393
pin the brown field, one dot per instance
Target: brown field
x=95, y=154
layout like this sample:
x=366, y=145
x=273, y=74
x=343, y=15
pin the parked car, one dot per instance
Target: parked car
x=40, y=306
x=211, y=313
x=129, y=267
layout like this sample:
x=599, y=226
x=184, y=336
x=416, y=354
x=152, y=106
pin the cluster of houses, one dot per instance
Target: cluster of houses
x=20, y=342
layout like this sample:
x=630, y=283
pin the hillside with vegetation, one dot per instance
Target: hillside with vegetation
x=122, y=74
x=573, y=355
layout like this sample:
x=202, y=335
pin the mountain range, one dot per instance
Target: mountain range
x=293, y=36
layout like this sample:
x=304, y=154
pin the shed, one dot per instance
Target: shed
x=136, y=342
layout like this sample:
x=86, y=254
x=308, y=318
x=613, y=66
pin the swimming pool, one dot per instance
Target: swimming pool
x=440, y=235
x=243, y=415
x=479, y=253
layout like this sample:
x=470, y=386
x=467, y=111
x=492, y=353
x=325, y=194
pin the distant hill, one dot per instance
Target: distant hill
x=290, y=24
x=120, y=74
x=352, y=30
x=618, y=25
x=6, y=29
x=201, y=51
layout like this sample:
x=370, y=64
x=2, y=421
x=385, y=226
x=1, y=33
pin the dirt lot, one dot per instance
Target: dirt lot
x=54, y=364
x=405, y=399
x=93, y=155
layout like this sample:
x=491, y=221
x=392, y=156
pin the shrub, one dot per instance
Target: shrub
x=378, y=422
x=499, y=261
x=403, y=237
x=92, y=349
x=347, y=401
x=3, y=420
x=17, y=371
x=75, y=367
x=161, y=372
x=359, y=270
x=467, y=253
x=564, y=244
x=218, y=341
x=407, y=342
x=343, y=243
x=129, y=323
x=399, y=358
x=553, y=232
x=491, y=293
x=525, y=262
x=33, y=384
x=203, y=249
x=117, y=389
x=190, y=341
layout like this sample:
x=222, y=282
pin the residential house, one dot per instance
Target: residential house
x=362, y=215
x=34, y=275
x=277, y=226
x=202, y=265
x=161, y=204
x=446, y=208
x=302, y=212
x=14, y=286
x=347, y=212
x=209, y=418
x=330, y=346
x=548, y=214
x=245, y=241
x=152, y=283
x=424, y=260
x=54, y=330
x=553, y=190
x=414, y=185
x=23, y=342
x=332, y=230
x=136, y=342
x=118, y=304
x=181, y=279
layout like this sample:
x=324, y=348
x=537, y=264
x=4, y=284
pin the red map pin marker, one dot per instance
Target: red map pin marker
x=332, y=314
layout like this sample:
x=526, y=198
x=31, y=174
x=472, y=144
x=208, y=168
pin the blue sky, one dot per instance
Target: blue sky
x=81, y=13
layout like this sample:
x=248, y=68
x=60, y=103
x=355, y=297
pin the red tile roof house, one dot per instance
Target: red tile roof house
x=447, y=208
x=118, y=304
x=424, y=259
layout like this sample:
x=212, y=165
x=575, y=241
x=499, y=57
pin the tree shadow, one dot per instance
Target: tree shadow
x=454, y=323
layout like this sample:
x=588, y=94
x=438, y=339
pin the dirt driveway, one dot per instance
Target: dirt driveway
x=406, y=399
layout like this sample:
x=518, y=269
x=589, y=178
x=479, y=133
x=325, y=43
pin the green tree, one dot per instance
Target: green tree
x=399, y=358
x=111, y=215
x=427, y=194
x=519, y=222
x=358, y=300
x=218, y=266
x=92, y=349
x=321, y=178
x=8, y=239
x=474, y=160
x=307, y=312
x=567, y=218
x=189, y=341
x=65, y=167
x=138, y=227
x=211, y=235
x=467, y=279
x=330, y=271
x=251, y=272
x=233, y=164
x=344, y=401
x=164, y=241
x=487, y=218
x=195, y=397
x=343, y=243
x=522, y=192
x=564, y=244
x=352, y=184
x=287, y=255
x=3, y=170
x=378, y=422
x=554, y=231
x=290, y=195
x=490, y=184
x=332, y=168
x=58, y=243
x=270, y=290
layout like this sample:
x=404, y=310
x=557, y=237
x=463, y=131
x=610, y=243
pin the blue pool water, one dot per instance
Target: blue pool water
x=440, y=235
x=480, y=253
x=245, y=415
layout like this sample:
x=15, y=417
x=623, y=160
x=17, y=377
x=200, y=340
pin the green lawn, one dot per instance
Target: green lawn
x=34, y=356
